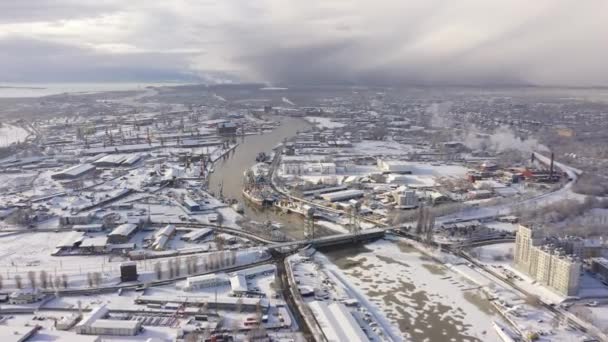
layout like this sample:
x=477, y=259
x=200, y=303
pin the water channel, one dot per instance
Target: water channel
x=229, y=173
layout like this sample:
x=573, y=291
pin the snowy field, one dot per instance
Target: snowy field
x=10, y=134
x=424, y=299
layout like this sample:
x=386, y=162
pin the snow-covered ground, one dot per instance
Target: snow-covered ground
x=10, y=134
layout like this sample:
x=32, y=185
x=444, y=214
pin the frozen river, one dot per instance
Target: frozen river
x=424, y=299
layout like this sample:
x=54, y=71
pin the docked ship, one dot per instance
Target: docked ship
x=259, y=197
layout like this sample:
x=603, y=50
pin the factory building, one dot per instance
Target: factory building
x=25, y=296
x=342, y=195
x=406, y=199
x=600, y=266
x=219, y=303
x=74, y=172
x=318, y=168
x=67, y=220
x=197, y=234
x=191, y=204
x=207, y=280
x=394, y=166
x=94, y=323
x=122, y=233
x=226, y=128
x=546, y=263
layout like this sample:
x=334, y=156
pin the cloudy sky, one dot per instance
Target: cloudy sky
x=552, y=42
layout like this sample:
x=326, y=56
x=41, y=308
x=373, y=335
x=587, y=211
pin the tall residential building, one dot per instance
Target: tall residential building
x=546, y=263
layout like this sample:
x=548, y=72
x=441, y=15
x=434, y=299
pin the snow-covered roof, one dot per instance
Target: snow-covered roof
x=337, y=322
x=124, y=229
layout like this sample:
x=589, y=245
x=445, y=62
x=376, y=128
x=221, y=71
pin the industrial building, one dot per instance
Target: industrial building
x=219, y=303
x=122, y=233
x=74, y=172
x=238, y=284
x=207, y=280
x=406, y=199
x=394, y=166
x=546, y=263
x=318, y=168
x=342, y=195
x=600, y=266
x=197, y=234
x=191, y=204
x=94, y=323
x=226, y=128
x=25, y=296
x=128, y=271
x=337, y=323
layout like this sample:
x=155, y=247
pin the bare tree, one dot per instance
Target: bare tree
x=18, y=281
x=219, y=242
x=239, y=305
x=177, y=263
x=158, y=270
x=171, y=269
x=97, y=279
x=194, y=264
x=43, y=279
x=64, y=281
x=32, y=277
x=90, y=279
x=233, y=257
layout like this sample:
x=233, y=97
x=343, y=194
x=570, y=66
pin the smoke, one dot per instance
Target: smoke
x=438, y=115
x=503, y=139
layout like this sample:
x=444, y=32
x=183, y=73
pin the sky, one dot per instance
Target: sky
x=385, y=42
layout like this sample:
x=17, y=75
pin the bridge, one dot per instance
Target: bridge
x=333, y=240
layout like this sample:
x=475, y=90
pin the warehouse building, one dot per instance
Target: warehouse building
x=197, y=234
x=342, y=195
x=206, y=280
x=94, y=323
x=122, y=233
x=394, y=166
x=191, y=204
x=219, y=303
x=74, y=172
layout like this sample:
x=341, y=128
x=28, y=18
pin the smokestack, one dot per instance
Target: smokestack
x=551, y=166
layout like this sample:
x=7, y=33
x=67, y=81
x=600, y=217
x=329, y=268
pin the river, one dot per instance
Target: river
x=230, y=172
x=422, y=298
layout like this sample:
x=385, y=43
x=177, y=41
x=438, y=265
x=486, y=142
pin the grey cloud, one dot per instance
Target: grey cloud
x=42, y=61
x=557, y=42
x=14, y=11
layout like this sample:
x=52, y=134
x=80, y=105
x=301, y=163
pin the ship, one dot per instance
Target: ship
x=258, y=197
x=261, y=157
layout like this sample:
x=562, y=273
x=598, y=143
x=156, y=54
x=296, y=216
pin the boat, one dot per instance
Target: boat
x=261, y=157
x=502, y=332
